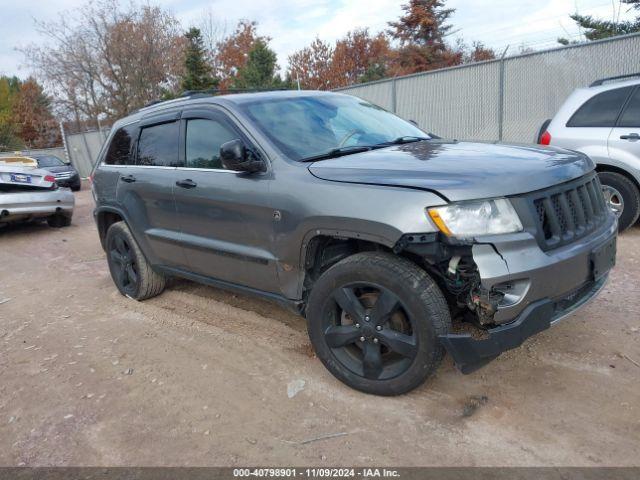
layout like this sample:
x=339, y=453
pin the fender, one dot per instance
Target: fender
x=111, y=209
x=630, y=165
x=292, y=279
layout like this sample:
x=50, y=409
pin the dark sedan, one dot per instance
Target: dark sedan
x=65, y=174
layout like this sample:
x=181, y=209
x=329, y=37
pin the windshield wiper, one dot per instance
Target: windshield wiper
x=403, y=140
x=342, y=151
x=337, y=152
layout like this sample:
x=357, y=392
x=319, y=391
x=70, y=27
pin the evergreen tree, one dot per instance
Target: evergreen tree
x=197, y=72
x=596, y=29
x=634, y=3
x=421, y=32
x=260, y=69
x=375, y=71
x=424, y=23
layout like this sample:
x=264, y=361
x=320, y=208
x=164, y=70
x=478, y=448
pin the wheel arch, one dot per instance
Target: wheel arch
x=323, y=248
x=105, y=217
x=607, y=167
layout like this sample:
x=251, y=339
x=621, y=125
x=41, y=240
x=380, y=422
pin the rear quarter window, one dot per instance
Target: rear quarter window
x=120, y=149
x=601, y=110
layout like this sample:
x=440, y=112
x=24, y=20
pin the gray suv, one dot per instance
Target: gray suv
x=377, y=232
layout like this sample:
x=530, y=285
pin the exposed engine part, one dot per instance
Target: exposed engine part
x=453, y=264
x=462, y=280
x=461, y=277
x=485, y=304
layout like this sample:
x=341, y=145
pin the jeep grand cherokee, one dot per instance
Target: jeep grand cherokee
x=375, y=231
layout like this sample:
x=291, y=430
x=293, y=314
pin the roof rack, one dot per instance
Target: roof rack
x=209, y=93
x=602, y=81
x=151, y=104
x=222, y=91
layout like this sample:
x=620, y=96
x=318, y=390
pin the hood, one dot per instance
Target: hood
x=60, y=169
x=458, y=170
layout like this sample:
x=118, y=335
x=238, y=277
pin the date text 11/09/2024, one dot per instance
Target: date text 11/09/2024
x=316, y=472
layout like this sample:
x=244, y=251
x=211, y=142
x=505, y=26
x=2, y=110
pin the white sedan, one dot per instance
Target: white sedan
x=28, y=193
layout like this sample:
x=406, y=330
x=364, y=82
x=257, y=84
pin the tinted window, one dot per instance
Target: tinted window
x=49, y=161
x=119, y=152
x=601, y=110
x=203, y=141
x=631, y=115
x=158, y=145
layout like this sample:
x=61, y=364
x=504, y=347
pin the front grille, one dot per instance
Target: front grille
x=568, y=212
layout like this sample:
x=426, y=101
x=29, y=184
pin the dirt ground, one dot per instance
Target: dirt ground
x=198, y=376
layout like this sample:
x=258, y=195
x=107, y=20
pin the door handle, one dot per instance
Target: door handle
x=128, y=178
x=631, y=136
x=188, y=183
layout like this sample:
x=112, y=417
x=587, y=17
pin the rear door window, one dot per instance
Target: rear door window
x=601, y=110
x=631, y=115
x=158, y=145
x=119, y=152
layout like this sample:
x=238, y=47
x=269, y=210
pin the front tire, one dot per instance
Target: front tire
x=374, y=321
x=129, y=269
x=622, y=196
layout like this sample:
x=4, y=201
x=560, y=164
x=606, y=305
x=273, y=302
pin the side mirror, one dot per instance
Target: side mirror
x=235, y=156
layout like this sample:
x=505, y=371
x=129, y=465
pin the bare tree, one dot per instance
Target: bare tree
x=103, y=60
x=213, y=31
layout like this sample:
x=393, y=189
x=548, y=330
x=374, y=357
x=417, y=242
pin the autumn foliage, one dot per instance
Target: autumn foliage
x=106, y=59
x=233, y=51
x=25, y=116
x=414, y=43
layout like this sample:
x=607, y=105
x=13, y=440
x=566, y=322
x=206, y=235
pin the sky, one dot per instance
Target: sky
x=293, y=24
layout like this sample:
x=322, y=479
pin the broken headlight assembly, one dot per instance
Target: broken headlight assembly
x=471, y=219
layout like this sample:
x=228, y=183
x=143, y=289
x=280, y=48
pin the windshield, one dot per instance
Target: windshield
x=304, y=127
x=49, y=161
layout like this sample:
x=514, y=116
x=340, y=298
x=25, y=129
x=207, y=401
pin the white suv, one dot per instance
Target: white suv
x=603, y=122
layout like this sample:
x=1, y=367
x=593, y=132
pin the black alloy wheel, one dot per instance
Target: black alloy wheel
x=130, y=270
x=369, y=331
x=126, y=268
x=374, y=320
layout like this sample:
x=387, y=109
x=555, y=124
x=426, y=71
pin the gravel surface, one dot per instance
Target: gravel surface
x=198, y=376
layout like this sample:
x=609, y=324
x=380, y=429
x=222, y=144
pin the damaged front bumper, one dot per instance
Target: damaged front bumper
x=537, y=288
x=470, y=354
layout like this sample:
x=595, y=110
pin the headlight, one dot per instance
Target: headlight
x=470, y=219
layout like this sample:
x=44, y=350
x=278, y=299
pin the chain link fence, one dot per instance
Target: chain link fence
x=83, y=149
x=505, y=99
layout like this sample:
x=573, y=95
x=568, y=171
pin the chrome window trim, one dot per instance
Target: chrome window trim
x=221, y=170
x=139, y=166
x=173, y=168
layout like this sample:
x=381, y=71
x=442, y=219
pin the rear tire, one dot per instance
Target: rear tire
x=394, y=306
x=59, y=221
x=129, y=269
x=621, y=192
